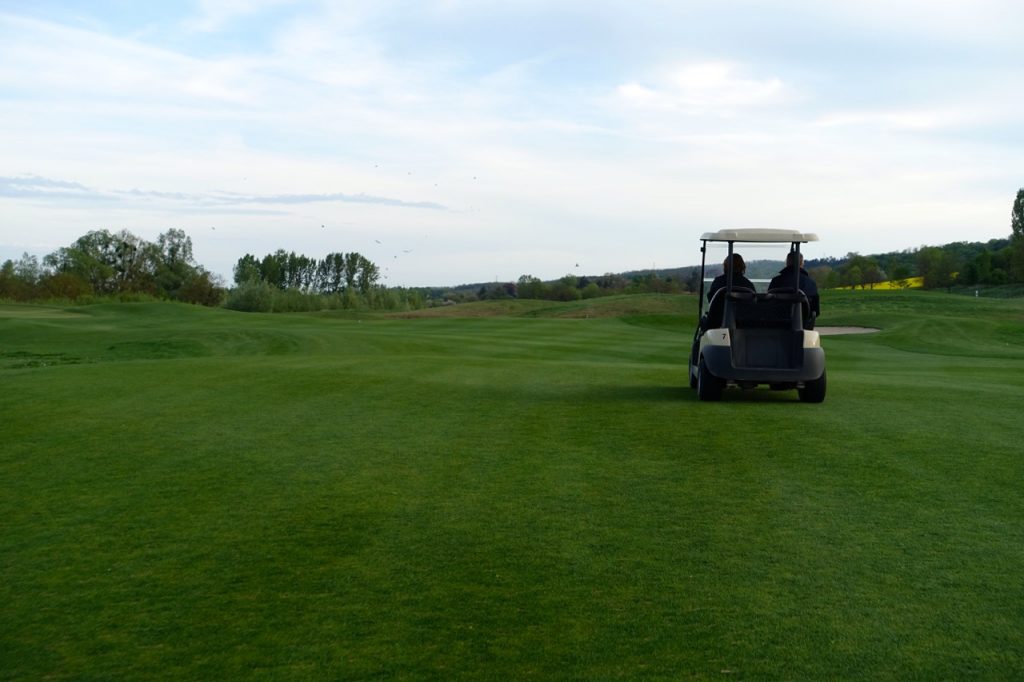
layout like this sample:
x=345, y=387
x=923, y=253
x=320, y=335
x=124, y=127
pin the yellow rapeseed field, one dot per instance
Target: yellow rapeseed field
x=908, y=283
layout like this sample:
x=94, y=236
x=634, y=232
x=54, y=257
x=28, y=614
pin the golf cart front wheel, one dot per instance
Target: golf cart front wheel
x=813, y=391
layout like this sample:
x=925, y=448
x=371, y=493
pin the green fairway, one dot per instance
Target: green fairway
x=506, y=491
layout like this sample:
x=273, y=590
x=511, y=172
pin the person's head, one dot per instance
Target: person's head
x=794, y=259
x=737, y=264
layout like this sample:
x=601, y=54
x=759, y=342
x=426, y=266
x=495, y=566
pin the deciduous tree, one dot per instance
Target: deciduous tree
x=247, y=269
x=1017, y=244
x=936, y=266
x=1017, y=215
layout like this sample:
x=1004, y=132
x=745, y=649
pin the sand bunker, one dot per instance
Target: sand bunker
x=833, y=331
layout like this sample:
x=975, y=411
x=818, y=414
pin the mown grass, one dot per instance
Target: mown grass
x=197, y=494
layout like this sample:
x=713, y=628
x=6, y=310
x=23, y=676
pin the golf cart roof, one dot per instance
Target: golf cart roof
x=759, y=235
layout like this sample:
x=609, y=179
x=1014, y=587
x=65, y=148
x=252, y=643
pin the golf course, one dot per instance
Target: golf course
x=506, y=490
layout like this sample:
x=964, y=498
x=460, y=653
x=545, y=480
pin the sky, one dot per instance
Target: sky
x=456, y=141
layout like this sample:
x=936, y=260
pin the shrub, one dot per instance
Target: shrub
x=251, y=297
x=64, y=285
x=201, y=288
x=295, y=301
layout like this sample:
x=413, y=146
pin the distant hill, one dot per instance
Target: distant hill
x=755, y=269
x=962, y=253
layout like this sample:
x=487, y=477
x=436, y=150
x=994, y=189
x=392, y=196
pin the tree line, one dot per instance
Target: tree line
x=990, y=263
x=285, y=281
x=104, y=263
x=335, y=273
x=573, y=288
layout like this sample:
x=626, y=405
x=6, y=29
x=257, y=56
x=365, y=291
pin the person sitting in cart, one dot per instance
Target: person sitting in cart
x=738, y=280
x=794, y=274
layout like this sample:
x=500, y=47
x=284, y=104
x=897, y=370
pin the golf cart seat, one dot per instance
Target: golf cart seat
x=788, y=296
x=717, y=310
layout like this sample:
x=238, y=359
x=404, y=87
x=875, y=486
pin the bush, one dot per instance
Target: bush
x=295, y=301
x=201, y=288
x=261, y=297
x=66, y=286
x=350, y=300
x=251, y=297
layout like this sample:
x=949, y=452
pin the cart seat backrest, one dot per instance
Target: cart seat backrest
x=718, y=310
x=742, y=308
x=774, y=310
x=797, y=300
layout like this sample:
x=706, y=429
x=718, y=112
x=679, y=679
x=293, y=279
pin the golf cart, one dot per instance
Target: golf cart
x=747, y=338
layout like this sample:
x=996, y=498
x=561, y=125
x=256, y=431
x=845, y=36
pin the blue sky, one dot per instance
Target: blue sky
x=454, y=141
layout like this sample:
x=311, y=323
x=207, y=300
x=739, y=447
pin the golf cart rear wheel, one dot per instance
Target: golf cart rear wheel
x=691, y=366
x=709, y=387
x=813, y=391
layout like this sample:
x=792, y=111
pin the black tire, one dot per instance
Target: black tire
x=691, y=368
x=709, y=387
x=813, y=391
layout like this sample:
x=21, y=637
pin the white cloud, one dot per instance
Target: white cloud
x=65, y=63
x=922, y=120
x=214, y=15
x=985, y=22
x=707, y=88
